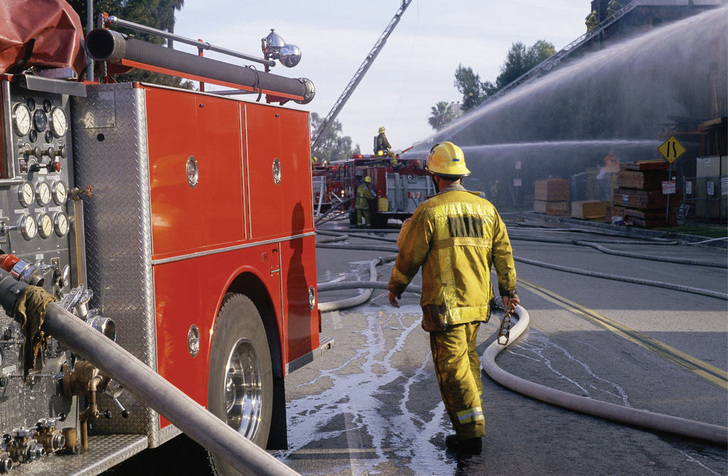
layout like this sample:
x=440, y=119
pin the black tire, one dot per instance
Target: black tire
x=240, y=385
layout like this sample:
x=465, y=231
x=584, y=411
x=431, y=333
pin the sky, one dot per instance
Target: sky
x=415, y=69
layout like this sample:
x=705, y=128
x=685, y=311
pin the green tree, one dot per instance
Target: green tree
x=442, y=113
x=519, y=60
x=332, y=146
x=157, y=14
x=468, y=84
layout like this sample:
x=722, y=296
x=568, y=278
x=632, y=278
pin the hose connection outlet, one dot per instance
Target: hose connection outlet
x=193, y=340
x=105, y=325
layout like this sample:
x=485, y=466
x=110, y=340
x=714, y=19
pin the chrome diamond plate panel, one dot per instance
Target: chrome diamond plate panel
x=110, y=145
x=105, y=451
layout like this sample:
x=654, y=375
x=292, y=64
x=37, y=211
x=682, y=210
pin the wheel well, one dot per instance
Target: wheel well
x=252, y=287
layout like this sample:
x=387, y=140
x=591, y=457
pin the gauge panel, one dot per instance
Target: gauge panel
x=60, y=193
x=37, y=172
x=43, y=193
x=59, y=123
x=21, y=119
x=61, y=224
x=28, y=227
x=45, y=225
x=26, y=194
x=40, y=120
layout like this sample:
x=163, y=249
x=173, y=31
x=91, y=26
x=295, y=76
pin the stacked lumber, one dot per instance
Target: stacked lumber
x=639, y=198
x=551, y=196
x=589, y=209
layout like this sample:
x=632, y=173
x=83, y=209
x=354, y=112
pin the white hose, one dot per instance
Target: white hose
x=356, y=300
x=589, y=406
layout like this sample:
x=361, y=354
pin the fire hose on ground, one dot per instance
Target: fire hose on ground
x=147, y=385
x=595, y=274
x=508, y=333
x=608, y=411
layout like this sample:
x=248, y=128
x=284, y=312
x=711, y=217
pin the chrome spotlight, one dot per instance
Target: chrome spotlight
x=275, y=47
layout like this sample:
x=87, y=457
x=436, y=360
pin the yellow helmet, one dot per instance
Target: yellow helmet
x=368, y=179
x=447, y=159
x=381, y=129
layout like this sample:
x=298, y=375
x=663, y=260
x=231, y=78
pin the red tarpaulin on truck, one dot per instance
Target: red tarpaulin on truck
x=42, y=33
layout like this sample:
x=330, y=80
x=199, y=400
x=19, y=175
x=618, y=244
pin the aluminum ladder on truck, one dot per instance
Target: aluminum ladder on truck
x=349, y=89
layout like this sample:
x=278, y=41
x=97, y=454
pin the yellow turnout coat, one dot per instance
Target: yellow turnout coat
x=455, y=236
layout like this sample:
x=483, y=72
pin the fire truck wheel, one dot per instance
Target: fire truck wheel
x=240, y=388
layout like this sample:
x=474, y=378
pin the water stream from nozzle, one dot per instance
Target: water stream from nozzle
x=616, y=101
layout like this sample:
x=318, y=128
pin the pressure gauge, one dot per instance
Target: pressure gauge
x=43, y=194
x=40, y=120
x=60, y=223
x=60, y=193
x=59, y=124
x=26, y=194
x=21, y=119
x=45, y=225
x=28, y=227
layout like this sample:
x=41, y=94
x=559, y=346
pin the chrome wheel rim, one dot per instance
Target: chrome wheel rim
x=243, y=389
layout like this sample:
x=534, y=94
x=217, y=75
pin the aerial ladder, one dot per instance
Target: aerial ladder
x=358, y=76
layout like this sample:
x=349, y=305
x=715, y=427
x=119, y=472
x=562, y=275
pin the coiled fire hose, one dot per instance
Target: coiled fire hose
x=147, y=385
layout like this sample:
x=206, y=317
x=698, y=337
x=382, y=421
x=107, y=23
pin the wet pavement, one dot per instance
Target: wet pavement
x=371, y=404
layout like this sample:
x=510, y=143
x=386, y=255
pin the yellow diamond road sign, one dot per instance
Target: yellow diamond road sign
x=671, y=149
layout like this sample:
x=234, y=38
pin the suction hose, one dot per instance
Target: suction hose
x=608, y=411
x=112, y=46
x=148, y=386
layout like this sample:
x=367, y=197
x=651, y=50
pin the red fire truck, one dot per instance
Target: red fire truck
x=177, y=220
x=400, y=184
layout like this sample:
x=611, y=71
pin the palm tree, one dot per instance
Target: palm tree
x=442, y=113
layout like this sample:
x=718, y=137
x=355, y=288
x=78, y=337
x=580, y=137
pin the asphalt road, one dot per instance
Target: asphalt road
x=371, y=404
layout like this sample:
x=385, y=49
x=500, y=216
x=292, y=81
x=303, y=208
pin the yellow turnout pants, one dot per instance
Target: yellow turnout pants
x=457, y=366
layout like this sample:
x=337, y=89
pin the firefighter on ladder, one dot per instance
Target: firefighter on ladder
x=382, y=145
x=455, y=237
x=363, y=195
x=613, y=7
x=591, y=21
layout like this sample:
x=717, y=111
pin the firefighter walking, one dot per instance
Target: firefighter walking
x=363, y=195
x=455, y=237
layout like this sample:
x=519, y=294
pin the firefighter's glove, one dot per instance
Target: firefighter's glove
x=30, y=312
x=510, y=301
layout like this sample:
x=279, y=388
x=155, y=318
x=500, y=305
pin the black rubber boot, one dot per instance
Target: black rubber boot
x=471, y=446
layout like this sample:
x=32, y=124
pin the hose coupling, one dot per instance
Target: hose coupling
x=505, y=328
